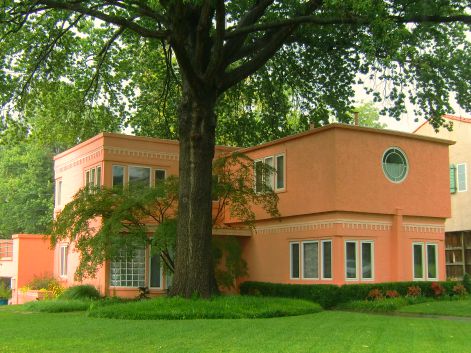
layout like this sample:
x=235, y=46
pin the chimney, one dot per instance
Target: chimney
x=312, y=126
x=356, y=119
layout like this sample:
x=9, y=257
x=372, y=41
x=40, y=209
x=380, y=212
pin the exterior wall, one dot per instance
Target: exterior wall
x=459, y=153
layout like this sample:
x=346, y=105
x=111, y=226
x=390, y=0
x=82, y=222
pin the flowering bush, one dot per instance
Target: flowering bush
x=414, y=291
x=392, y=293
x=43, y=284
x=459, y=289
x=437, y=289
x=375, y=294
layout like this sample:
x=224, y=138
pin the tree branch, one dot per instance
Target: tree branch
x=113, y=19
x=202, y=34
x=217, y=55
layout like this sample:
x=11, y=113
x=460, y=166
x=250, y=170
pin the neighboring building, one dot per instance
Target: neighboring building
x=351, y=201
x=458, y=227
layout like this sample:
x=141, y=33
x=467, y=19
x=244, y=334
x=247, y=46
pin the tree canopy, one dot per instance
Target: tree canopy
x=240, y=70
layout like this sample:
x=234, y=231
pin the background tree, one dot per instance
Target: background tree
x=306, y=52
x=368, y=116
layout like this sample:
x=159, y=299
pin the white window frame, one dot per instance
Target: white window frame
x=276, y=172
x=291, y=243
x=63, y=259
x=435, y=245
x=124, y=174
x=58, y=192
x=331, y=260
x=458, y=179
x=372, y=260
x=126, y=286
x=149, y=271
x=139, y=166
x=92, y=173
x=424, y=269
x=355, y=243
x=271, y=175
x=302, y=259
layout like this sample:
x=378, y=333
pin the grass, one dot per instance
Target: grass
x=224, y=307
x=385, y=305
x=441, y=307
x=58, y=306
x=327, y=331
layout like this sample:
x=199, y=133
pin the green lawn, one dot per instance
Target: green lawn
x=328, y=331
x=452, y=308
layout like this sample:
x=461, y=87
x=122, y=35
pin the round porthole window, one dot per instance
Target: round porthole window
x=395, y=165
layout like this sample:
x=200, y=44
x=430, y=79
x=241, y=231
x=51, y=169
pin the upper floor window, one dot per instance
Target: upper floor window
x=270, y=173
x=395, y=166
x=93, y=177
x=63, y=260
x=58, y=192
x=452, y=179
x=139, y=176
x=461, y=173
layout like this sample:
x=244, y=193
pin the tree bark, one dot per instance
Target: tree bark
x=194, y=271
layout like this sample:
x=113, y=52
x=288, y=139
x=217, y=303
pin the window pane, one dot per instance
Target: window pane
x=258, y=176
x=159, y=175
x=367, y=260
x=139, y=176
x=269, y=173
x=418, y=261
x=59, y=193
x=155, y=271
x=461, y=171
x=87, y=178
x=128, y=270
x=294, y=260
x=98, y=176
x=92, y=177
x=118, y=175
x=431, y=261
x=280, y=172
x=351, y=259
x=326, y=259
x=63, y=264
x=310, y=260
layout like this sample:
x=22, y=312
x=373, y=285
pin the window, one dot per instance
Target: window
x=128, y=270
x=425, y=267
x=268, y=177
x=58, y=192
x=139, y=176
x=326, y=259
x=359, y=260
x=395, y=165
x=118, y=175
x=93, y=177
x=155, y=271
x=462, y=177
x=63, y=260
x=294, y=273
x=160, y=175
x=280, y=172
x=452, y=179
x=310, y=260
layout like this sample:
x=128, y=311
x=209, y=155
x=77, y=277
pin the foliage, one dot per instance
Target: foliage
x=391, y=293
x=437, y=289
x=375, y=294
x=229, y=264
x=459, y=290
x=58, y=305
x=5, y=292
x=26, y=189
x=368, y=116
x=84, y=291
x=222, y=307
x=329, y=296
x=45, y=282
x=381, y=305
x=467, y=282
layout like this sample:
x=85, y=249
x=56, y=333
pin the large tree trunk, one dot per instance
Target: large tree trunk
x=194, y=271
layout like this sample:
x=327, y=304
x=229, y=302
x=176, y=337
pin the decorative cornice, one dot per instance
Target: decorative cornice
x=325, y=224
x=423, y=228
x=96, y=153
x=142, y=153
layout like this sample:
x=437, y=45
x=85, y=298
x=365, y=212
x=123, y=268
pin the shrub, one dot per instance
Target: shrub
x=5, y=292
x=460, y=290
x=84, y=291
x=414, y=291
x=467, y=282
x=375, y=294
x=58, y=306
x=44, y=282
x=437, y=289
x=380, y=305
x=392, y=293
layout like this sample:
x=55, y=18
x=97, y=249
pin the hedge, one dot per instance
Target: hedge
x=329, y=295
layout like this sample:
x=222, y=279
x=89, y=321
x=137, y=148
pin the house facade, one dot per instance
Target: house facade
x=357, y=205
x=458, y=226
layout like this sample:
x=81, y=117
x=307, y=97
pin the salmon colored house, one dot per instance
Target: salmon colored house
x=357, y=205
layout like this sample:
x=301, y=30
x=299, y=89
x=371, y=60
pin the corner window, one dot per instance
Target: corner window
x=351, y=259
x=118, y=175
x=310, y=260
x=268, y=178
x=461, y=173
x=280, y=172
x=326, y=259
x=128, y=270
x=63, y=260
x=425, y=261
x=395, y=166
x=272, y=177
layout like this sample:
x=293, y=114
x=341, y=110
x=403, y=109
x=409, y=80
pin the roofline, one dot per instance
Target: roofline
x=446, y=116
x=347, y=127
x=128, y=137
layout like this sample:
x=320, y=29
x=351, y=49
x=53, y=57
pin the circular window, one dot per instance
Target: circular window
x=395, y=164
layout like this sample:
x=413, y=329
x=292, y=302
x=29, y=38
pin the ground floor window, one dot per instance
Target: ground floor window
x=63, y=260
x=155, y=271
x=128, y=270
x=311, y=259
x=359, y=259
x=425, y=261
